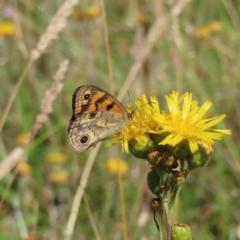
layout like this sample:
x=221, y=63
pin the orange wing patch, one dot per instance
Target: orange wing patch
x=88, y=99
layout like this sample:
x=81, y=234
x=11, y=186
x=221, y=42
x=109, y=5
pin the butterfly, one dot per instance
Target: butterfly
x=96, y=116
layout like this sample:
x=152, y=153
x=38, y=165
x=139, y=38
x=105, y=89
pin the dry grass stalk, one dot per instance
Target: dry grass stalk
x=178, y=7
x=56, y=25
x=153, y=36
x=108, y=51
x=79, y=194
x=14, y=157
x=91, y=218
x=19, y=36
x=50, y=96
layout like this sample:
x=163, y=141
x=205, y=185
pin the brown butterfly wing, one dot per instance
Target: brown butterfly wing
x=84, y=133
x=96, y=115
x=90, y=98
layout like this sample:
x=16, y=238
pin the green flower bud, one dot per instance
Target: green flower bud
x=175, y=178
x=157, y=211
x=159, y=159
x=181, y=150
x=181, y=231
x=140, y=148
x=201, y=157
x=157, y=138
x=153, y=181
x=156, y=202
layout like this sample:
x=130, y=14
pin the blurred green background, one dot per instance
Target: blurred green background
x=198, y=52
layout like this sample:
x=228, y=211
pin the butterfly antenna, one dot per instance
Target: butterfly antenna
x=134, y=110
x=129, y=97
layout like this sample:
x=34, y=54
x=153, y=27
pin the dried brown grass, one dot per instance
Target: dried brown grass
x=52, y=32
x=48, y=99
x=18, y=154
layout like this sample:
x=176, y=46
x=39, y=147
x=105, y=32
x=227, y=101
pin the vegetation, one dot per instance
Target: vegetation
x=155, y=47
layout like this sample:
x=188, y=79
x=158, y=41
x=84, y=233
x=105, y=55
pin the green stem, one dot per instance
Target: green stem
x=160, y=222
x=163, y=207
x=168, y=208
x=173, y=199
x=157, y=206
x=168, y=217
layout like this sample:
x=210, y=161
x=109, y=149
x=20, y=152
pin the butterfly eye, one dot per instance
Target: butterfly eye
x=92, y=115
x=84, y=139
x=86, y=96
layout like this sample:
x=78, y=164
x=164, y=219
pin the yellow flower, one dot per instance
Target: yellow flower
x=117, y=166
x=142, y=121
x=59, y=177
x=78, y=14
x=187, y=122
x=215, y=26
x=184, y=121
x=202, y=32
x=22, y=139
x=142, y=18
x=7, y=29
x=56, y=157
x=207, y=30
x=90, y=12
x=24, y=168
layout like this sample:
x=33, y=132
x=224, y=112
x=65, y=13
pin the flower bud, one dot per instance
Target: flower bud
x=157, y=158
x=156, y=202
x=201, y=157
x=175, y=178
x=157, y=138
x=140, y=148
x=181, y=231
x=153, y=181
x=181, y=150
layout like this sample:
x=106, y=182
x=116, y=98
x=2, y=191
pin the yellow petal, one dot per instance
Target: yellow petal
x=7, y=29
x=59, y=177
x=117, y=166
x=56, y=157
x=24, y=168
